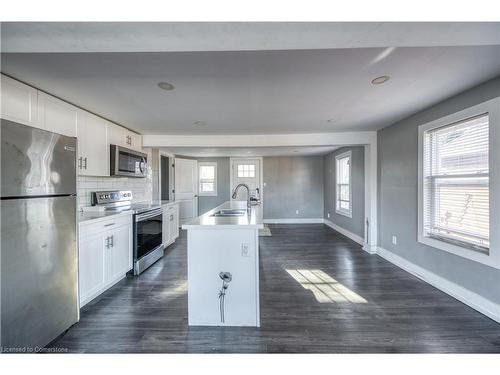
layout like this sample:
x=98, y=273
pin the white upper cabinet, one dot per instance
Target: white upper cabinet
x=123, y=137
x=93, y=145
x=135, y=141
x=56, y=115
x=19, y=102
x=26, y=105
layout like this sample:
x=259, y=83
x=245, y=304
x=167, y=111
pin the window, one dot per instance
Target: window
x=456, y=183
x=343, y=184
x=207, y=178
x=246, y=170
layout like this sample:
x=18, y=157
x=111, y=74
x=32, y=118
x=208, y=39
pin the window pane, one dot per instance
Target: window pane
x=460, y=148
x=343, y=176
x=207, y=172
x=456, y=182
x=344, y=192
x=461, y=209
x=246, y=170
x=207, y=186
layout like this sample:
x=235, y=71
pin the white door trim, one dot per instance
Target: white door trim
x=261, y=173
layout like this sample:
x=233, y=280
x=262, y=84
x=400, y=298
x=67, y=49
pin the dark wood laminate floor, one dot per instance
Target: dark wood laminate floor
x=342, y=300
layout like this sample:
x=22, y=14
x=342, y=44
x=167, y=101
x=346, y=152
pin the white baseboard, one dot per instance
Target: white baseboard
x=474, y=300
x=370, y=249
x=345, y=232
x=293, y=221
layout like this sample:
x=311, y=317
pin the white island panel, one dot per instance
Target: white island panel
x=223, y=250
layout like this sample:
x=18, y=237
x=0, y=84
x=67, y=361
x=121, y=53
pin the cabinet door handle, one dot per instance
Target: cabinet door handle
x=108, y=225
x=107, y=242
x=171, y=217
x=85, y=163
x=112, y=241
x=80, y=162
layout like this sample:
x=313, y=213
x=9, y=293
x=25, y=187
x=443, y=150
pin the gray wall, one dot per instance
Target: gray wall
x=356, y=224
x=397, y=187
x=293, y=183
x=207, y=203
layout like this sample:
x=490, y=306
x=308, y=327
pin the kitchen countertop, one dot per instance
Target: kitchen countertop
x=206, y=221
x=86, y=216
x=164, y=202
x=93, y=215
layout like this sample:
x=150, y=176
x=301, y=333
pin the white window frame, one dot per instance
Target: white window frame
x=207, y=193
x=492, y=107
x=340, y=211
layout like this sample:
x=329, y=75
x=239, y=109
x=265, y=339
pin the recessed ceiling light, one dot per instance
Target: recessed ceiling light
x=166, y=86
x=249, y=152
x=200, y=123
x=380, y=80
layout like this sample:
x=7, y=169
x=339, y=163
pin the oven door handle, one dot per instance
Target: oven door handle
x=148, y=215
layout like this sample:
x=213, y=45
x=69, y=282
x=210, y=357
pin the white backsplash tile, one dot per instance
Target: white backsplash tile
x=141, y=187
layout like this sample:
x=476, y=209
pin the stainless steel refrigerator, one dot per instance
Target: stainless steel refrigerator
x=39, y=259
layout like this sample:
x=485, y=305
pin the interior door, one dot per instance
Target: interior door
x=186, y=188
x=246, y=171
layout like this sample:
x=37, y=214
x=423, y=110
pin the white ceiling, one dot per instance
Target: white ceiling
x=249, y=151
x=283, y=87
x=239, y=36
x=257, y=92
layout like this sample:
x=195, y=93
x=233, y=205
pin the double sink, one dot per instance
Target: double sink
x=229, y=213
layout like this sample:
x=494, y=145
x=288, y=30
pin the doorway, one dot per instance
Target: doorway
x=247, y=171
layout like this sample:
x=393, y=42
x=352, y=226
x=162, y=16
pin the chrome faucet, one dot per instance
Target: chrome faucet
x=235, y=192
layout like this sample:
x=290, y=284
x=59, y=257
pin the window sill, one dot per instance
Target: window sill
x=344, y=213
x=464, y=252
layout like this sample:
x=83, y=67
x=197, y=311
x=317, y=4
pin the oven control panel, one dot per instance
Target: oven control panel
x=107, y=197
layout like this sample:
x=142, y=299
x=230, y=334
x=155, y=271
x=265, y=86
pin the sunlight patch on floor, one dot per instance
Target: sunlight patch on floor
x=325, y=288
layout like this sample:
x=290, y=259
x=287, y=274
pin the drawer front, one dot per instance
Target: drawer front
x=89, y=229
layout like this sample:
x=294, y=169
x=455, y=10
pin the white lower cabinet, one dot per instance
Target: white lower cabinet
x=105, y=255
x=170, y=224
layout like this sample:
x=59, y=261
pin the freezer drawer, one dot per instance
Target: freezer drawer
x=39, y=270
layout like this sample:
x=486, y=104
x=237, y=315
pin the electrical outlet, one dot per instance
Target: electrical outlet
x=296, y=212
x=244, y=250
x=328, y=215
x=394, y=240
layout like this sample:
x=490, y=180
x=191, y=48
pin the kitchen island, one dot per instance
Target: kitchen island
x=223, y=266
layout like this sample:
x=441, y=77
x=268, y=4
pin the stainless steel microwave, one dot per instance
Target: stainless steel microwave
x=127, y=163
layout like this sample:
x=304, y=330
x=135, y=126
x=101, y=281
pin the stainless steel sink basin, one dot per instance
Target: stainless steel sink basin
x=229, y=213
